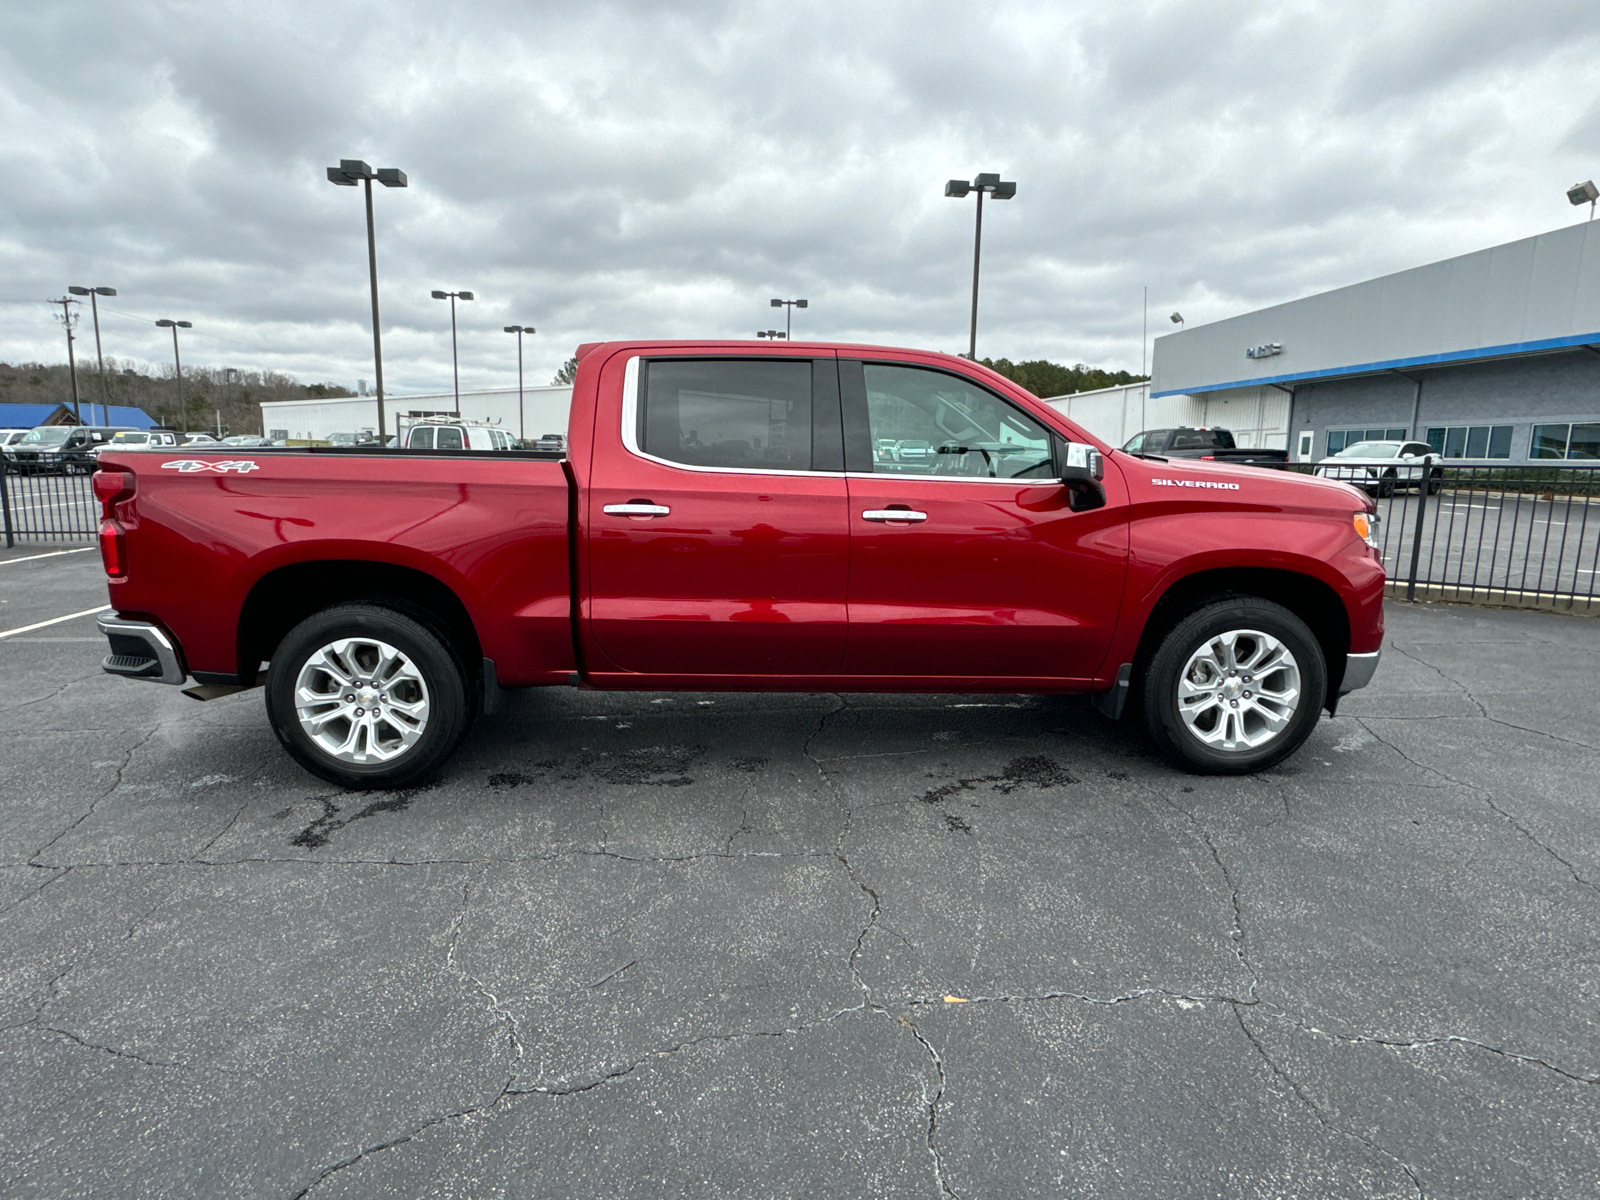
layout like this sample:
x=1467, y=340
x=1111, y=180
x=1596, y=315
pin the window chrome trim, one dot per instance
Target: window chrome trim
x=957, y=479
x=630, y=428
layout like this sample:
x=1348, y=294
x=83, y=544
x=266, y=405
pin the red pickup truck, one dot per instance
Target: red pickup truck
x=732, y=516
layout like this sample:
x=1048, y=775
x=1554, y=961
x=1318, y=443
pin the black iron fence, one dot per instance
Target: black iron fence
x=47, y=506
x=1490, y=535
x=1526, y=536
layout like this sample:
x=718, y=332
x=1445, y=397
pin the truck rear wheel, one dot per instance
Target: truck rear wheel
x=1234, y=687
x=367, y=697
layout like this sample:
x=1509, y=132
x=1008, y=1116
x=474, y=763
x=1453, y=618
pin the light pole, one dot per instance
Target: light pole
x=956, y=189
x=455, y=365
x=177, y=363
x=94, y=307
x=1177, y=319
x=775, y=334
x=519, y=330
x=788, y=307
x=345, y=175
x=72, y=362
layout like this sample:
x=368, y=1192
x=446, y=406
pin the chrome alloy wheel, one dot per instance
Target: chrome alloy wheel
x=361, y=700
x=1239, y=690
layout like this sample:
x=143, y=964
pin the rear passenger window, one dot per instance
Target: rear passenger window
x=447, y=437
x=422, y=438
x=727, y=413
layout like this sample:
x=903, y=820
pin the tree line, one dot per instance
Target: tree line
x=1045, y=379
x=206, y=392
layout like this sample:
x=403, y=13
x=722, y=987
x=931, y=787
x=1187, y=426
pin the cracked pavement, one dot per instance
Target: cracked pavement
x=689, y=945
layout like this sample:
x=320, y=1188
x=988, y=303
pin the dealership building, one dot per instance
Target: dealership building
x=1492, y=357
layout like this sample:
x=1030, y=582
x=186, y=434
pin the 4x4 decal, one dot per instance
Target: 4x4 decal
x=190, y=465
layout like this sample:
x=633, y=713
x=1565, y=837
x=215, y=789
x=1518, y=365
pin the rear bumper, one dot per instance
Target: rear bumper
x=1358, y=671
x=140, y=650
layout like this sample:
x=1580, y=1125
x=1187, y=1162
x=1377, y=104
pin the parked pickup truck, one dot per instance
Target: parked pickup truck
x=1208, y=445
x=722, y=518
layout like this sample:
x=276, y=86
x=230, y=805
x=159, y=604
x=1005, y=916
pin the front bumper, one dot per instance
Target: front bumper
x=140, y=650
x=1358, y=671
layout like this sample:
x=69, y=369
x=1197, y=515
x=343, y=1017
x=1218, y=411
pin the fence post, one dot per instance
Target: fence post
x=1416, y=538
x=5, y=500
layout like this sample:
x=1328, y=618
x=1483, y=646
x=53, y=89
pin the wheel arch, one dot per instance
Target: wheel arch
x=1309, y=598
x=287, y=595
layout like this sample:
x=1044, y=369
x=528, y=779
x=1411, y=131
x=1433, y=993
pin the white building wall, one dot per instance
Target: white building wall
x=544, y=410
x=1115, y=414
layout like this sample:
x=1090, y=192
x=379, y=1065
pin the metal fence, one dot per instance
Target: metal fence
x=47, y=507
x=1523, y=536
x=1527, y=536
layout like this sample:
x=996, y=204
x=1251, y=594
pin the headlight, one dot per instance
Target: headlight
x=1367, y=528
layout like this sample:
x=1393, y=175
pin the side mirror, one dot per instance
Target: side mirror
x=1082, y=469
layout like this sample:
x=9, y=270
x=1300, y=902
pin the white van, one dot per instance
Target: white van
x=458, y=437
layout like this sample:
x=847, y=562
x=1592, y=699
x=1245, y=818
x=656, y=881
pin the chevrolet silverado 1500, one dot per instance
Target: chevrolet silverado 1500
x=743, y=517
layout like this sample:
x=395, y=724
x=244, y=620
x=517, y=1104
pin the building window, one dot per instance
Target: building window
x=1579, y=441
x=1471, y=441
x=1338, y=439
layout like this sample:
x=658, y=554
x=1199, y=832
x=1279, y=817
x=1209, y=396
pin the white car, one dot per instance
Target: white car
x=9, y=438
x=1380, y=467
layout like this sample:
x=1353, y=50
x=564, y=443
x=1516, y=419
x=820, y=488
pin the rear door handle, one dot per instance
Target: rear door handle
x=893, y=514
x=636, y=510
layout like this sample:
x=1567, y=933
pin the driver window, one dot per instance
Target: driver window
x=927, y=422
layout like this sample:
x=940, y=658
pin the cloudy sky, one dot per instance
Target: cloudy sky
x=630, y=169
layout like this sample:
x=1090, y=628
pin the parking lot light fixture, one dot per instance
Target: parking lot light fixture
x=455, y=362
x=100, y=358
x=1584, y=193
x=347, y=174
x=788, y=307
x=177, y=363
x=776, y=334
x=519, y=330
x=989, y=184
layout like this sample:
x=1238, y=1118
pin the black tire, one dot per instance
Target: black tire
x=1182, y=741
x=435, y=678
x=1435, y=482
x=1386, y=484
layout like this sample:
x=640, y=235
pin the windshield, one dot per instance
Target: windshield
x=51, y=435
x=1370, y=450
x=130, y=439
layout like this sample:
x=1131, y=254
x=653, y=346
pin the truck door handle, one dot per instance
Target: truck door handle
x=637, y=508
x=893, y=514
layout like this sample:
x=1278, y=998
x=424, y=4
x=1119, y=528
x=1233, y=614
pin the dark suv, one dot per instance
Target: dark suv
x=61, y=449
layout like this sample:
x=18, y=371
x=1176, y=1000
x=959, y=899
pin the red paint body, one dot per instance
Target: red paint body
x=755, y=580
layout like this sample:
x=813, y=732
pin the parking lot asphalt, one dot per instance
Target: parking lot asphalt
x=754, y=946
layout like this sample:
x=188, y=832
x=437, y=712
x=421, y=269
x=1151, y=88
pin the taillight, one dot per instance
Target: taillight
x=1208, y=458
x=113, y=549
x=113, y=487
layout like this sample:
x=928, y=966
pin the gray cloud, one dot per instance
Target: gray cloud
x=628, y=169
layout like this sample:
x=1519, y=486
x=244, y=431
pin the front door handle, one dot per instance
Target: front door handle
x=637, y=509
x=893, y=514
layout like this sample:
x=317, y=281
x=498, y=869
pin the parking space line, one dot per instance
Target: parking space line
x=5, y=633
x=52, y=554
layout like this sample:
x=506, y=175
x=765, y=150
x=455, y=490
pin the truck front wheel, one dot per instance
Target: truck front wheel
x=367, y=697
x=1234, y=687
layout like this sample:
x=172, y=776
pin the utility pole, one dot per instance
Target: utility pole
x=72, y=362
